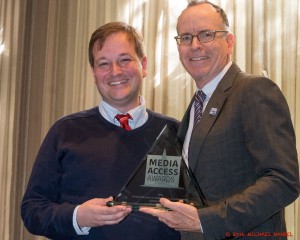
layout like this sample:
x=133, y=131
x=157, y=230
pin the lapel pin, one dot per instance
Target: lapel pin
x=213, y=111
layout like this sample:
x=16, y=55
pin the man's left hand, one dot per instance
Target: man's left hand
x=181, y=217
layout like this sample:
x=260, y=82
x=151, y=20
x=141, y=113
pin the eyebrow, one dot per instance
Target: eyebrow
x=188, y=33
x=121, y=55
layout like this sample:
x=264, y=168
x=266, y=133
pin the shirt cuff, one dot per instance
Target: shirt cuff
x=79, y=231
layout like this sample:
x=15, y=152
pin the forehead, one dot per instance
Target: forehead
x=114, y=43
x=198, y=18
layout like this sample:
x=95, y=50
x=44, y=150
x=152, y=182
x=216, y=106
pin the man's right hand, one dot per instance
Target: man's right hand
x=94, y=213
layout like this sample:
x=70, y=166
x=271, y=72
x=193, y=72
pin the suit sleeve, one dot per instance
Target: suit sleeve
x=269, y=139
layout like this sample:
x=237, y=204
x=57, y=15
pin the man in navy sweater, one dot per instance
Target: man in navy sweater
x=86, y=157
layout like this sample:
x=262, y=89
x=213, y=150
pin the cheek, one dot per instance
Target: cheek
x=221, y=49
x=98, y=76
x=182, y=52
x=136, y=72
x=183, y=57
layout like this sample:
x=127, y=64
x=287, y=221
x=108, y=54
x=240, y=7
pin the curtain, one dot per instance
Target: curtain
x=45, y=74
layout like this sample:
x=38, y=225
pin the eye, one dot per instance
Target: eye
x=103, y=65
x=124, y=61
x=207, y=34
x=185, y=38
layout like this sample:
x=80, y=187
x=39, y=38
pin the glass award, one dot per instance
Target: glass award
x=162, y=173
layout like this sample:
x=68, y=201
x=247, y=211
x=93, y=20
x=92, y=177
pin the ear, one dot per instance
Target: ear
x=144, y=66
x=93, y=72
x=230, y=39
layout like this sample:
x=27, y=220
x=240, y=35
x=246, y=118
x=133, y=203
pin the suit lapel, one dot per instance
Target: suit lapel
x=210, y=114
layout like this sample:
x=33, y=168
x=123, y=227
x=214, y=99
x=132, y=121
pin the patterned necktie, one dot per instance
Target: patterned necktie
x=198, y=106
x=123, y=119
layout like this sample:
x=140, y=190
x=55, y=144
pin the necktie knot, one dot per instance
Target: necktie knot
x=198, y=106
x=123, y=119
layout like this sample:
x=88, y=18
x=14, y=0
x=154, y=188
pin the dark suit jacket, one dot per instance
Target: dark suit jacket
x=244, y=158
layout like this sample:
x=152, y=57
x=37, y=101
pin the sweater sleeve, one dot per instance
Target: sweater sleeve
x=42, y=212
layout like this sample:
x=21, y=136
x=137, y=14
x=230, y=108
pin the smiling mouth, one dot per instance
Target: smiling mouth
x=198, y=58
x=115, y=83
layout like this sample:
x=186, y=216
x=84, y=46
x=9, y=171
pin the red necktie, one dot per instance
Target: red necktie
x=123, y=119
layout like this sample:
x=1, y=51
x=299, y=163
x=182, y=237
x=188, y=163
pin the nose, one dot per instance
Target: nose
x=196, y=43
x=115, y=69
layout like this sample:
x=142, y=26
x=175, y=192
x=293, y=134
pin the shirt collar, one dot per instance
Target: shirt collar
x=139, y=114
x=209, y=88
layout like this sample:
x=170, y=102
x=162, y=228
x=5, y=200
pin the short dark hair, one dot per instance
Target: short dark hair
x=100, y=35
x=218, y=9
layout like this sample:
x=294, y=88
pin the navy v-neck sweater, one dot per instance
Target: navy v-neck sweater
x=82, y=157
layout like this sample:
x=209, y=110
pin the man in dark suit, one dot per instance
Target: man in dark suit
x=242, y=150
